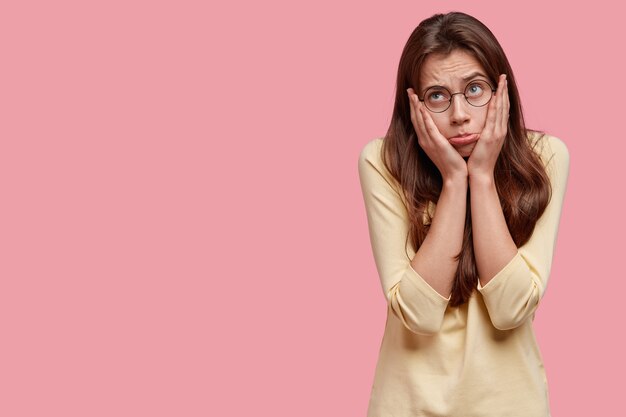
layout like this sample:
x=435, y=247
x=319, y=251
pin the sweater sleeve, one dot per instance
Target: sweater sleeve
x=418, y=306
x=513, y=294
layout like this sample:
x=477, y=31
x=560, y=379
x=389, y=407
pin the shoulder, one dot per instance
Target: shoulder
x=554, y=155
x=548, y=146
x=371, y=151
x=371, y=157
x=372, y=169
x=551, y=149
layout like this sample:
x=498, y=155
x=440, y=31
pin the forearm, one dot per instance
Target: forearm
x=494, y=247
x=435, y=259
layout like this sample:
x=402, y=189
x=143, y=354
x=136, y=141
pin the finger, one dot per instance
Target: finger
x=491, y=116
x=431, y=128
x=507, y=102
x=499, y=107
x=415, y=113
x=504, y=119
x=419, y=116
x=411, y=109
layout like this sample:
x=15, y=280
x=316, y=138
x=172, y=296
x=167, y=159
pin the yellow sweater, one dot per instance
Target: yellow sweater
x=477, y=360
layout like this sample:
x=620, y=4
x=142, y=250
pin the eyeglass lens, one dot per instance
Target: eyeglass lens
x=438, y=99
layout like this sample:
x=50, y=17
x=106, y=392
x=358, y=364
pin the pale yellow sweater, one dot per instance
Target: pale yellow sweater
x=477, y=360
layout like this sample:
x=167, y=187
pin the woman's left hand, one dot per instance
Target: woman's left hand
x=485, y=154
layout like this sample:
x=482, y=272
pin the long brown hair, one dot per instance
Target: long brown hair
x=520, y=177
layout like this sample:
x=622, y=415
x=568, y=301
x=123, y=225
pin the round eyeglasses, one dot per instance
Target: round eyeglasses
x=438, y=99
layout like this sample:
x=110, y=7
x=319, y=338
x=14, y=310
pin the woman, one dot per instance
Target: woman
x=463, y=205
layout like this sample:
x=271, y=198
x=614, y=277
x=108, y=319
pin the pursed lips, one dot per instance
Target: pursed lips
x=464, y=139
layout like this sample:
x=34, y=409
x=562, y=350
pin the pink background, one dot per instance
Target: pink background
x=182, y=228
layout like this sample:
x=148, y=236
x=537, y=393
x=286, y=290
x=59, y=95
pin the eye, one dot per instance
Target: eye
x=475, y=89
x=437, y=95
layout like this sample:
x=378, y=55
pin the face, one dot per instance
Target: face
x=455, y=71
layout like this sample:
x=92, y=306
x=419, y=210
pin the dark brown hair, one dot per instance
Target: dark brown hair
x=521, y=180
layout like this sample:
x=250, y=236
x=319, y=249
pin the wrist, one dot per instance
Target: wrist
x=481, y=179
x=480, y=169
x=456, y=181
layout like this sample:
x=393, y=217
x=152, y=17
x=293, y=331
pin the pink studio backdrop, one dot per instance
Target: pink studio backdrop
x=182, y=229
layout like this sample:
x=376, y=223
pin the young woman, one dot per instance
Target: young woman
x=463, y=205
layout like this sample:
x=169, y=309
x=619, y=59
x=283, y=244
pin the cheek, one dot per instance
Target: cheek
x=440, y=121
x=481, y=116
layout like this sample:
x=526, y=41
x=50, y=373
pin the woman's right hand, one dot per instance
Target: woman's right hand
x=450, y=163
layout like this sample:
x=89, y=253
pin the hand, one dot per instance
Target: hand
x=450, y=163
x=485, y=154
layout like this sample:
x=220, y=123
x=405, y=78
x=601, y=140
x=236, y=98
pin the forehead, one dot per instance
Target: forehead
x=449, y=70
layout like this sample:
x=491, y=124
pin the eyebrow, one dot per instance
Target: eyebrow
x=466, y=78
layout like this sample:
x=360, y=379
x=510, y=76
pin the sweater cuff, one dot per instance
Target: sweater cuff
x=514, y=266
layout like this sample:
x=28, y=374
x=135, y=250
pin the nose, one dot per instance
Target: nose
x=459, y=113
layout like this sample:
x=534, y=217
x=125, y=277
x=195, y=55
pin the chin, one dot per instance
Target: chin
x=466, y=151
